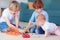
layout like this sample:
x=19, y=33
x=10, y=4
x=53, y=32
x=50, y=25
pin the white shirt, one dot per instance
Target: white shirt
x=6, y=13
x=48, y=26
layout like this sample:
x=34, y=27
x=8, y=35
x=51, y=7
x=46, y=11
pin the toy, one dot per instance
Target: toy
x=13, y=31
x=25, y=35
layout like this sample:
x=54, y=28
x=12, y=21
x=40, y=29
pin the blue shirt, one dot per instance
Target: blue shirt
x=35, y=14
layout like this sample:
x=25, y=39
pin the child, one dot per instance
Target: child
x=9, y=15
x=38, y=6
x=49, y=28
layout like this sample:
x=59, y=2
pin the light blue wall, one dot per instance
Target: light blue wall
x=4, y=3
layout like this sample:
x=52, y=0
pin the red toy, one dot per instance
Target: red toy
x=26, y=35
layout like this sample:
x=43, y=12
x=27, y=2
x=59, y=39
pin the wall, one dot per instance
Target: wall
x=25, y=1
x=4, y=4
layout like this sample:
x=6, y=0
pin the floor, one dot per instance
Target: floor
x=4, y=36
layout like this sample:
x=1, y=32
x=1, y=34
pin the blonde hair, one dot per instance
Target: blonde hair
x=14, y=5
x=40, y=17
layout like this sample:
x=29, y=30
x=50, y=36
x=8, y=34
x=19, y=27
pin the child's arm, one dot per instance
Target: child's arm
x=16, y=20
x=46, y=33
x=8, y=22
x=28, y=26
x=31, y=21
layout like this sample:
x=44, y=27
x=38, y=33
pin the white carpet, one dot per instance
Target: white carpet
x=4, y=36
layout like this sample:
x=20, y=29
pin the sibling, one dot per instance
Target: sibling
x=38, y=6
x=9, y=15
x=49, y=28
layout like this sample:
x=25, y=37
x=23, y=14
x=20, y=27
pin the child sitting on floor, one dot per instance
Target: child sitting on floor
x=49, y=28
x=38, y=6
x=9, y=15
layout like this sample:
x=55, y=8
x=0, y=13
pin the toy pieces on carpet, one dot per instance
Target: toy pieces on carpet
x=13, y=31
x=25, y=35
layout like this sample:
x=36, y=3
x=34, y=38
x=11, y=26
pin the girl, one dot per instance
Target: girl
x=38, y=6
x=49, y=28
x=9, y=15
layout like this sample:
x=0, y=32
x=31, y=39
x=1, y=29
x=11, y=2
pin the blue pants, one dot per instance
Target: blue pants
x=39, y=30
x=4, y=26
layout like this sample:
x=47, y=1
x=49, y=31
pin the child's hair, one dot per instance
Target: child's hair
x=38, y=4
x=40, y=17
x=14, y=5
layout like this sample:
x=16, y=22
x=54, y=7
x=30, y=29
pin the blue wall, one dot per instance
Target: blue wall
x=51, y=6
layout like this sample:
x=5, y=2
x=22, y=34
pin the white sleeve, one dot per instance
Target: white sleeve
x=5, y=14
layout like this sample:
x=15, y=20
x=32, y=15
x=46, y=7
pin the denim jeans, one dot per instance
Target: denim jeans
x=4, y=26
x=39, y=30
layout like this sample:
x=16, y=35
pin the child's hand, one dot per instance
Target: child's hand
x=26, y=31
x=45, y=35
x=21, y=31
x=13, y=26
x=38, y=24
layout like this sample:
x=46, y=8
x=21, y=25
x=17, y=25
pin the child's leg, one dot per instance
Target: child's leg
x=39, y=30
x=57, y=32
x=32, y=29
x=3, y=26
